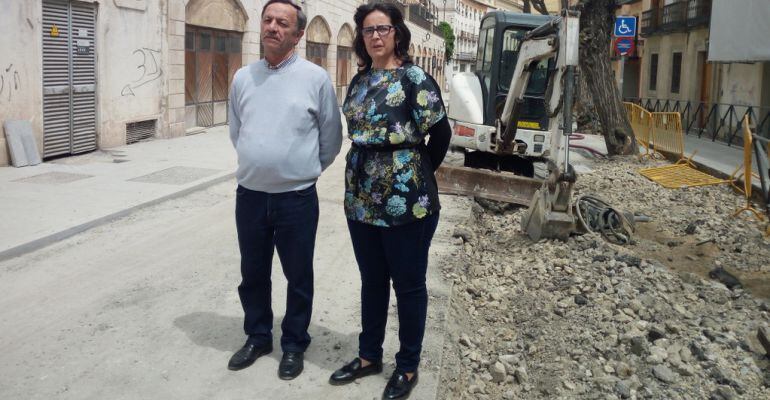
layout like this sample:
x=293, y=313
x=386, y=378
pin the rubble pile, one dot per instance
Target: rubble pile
x=592, y=320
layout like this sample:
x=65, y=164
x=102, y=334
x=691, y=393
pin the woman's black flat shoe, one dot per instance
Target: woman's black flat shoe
x=399, y=386
x=353, y=370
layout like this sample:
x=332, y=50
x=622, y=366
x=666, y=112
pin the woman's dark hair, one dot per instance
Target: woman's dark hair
x=403, y=36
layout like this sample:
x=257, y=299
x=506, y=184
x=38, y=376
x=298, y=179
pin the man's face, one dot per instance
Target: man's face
x=279, y=28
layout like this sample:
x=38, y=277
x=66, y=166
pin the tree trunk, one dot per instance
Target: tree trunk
x=596, y=21
x=538, y=5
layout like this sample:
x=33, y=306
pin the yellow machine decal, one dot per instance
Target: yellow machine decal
x=528, y=124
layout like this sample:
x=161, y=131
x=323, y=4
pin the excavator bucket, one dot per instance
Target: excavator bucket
x=540, y=221
x=498, y=186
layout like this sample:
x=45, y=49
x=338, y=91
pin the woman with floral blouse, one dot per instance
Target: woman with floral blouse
x=391, y=197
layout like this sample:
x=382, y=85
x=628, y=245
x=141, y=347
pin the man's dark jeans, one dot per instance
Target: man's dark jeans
x=287, y=222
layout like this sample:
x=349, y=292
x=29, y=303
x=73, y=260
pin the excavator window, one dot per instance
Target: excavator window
x=533, y=108
x=538, y=79
x=487, y=58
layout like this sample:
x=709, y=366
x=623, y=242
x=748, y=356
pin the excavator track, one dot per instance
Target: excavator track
x=498, y=186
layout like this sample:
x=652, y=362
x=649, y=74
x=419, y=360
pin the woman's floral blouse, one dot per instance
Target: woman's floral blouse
x=388, y=177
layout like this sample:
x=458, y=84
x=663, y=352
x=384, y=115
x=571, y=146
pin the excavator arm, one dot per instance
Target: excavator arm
x=550, y=214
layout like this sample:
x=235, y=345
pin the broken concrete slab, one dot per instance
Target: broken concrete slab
x=21, y=143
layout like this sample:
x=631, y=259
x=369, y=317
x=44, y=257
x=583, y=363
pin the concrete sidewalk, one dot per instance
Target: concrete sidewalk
x=716, y=156
x=43, y=204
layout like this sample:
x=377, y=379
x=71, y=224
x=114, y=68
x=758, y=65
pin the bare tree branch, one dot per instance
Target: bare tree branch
x=538, y=5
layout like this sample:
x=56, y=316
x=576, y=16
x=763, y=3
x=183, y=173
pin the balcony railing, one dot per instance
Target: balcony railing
x=698, y=13
x=468, y=36
x=465, y=56
x=678, y=16
x=418, y=15
x=649, y=22
x=674, y=16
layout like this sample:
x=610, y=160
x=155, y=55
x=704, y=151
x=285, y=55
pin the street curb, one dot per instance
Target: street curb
x=444, y=333
x=58, y=236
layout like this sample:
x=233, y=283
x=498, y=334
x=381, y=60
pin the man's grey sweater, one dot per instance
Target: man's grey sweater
x=284, y=124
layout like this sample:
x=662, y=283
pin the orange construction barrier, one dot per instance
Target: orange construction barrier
x=667, y=135
x=745, y=172
x=641, y=123
x=668, y=139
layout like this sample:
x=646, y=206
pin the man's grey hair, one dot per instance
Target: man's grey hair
x=301, y=17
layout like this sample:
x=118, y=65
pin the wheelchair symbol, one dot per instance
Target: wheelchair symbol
x=624, y=29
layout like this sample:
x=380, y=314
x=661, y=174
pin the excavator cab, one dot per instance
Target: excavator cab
x=500, y=36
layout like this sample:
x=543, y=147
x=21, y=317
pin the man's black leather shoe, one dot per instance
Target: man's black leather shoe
x=247, y=355
x=291, y=365
x=353, y=370
x=399, y=386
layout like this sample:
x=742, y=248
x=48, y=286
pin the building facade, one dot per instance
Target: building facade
x=91, y=74
x=675, y=63
x=465, y=18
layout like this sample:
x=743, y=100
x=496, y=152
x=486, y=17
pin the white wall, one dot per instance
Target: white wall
x=132, y=68
x=741, y=84
x=20, y=67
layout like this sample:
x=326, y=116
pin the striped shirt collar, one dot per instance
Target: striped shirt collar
x=284, y=63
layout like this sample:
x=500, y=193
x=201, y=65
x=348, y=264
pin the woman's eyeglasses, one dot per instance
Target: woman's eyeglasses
x=382, y=30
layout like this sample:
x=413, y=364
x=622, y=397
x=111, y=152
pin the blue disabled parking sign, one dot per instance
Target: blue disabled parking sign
x=625, y=27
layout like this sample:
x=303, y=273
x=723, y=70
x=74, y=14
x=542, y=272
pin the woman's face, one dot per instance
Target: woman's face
x=379, y=36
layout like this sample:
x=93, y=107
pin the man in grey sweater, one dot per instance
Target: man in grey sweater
x=285, y=126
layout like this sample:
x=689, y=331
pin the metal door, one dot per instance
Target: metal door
x=69, y=77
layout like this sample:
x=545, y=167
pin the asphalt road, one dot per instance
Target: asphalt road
x=146, y=307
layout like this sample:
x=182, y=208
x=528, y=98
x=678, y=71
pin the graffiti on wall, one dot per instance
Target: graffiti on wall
x=10, y=82
x=149, y=67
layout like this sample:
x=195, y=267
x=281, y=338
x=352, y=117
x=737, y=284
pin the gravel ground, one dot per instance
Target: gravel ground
x=593, y=320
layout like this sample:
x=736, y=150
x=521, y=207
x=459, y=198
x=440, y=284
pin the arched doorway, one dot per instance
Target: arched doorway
x=213, y=52
x=345, y=65
x=318, y=39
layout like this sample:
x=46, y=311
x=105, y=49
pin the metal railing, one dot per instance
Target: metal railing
x=649, y=22
x=418, y=16
x=678, y=16
x=674, y=16
x=465, y=56
x=468, y=36
x=761, y=151
x=716, y=121
x=698, y=13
